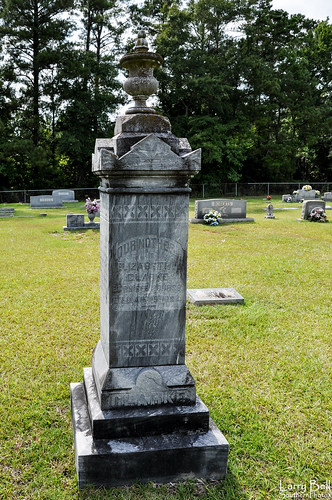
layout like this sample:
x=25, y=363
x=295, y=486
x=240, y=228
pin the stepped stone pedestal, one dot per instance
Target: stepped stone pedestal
x=136, y=416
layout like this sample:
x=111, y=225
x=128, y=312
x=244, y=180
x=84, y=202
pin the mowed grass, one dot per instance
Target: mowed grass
x=262, y=368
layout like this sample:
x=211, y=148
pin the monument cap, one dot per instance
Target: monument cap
x=141, y=83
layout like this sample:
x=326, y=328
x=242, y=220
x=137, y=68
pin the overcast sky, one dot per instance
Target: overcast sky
x=315, y=9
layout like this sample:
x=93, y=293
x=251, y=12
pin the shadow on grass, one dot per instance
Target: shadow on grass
x=228, y=489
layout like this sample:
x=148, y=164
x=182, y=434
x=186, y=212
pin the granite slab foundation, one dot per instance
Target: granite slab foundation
x=86, y=225
x=223, y=221
x=161, y=458
x=210, y=296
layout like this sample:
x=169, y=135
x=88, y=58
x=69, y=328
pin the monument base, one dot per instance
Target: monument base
x=86, y=225
x=144, y=444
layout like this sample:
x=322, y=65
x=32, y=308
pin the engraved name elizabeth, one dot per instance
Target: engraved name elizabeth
x=147, y=273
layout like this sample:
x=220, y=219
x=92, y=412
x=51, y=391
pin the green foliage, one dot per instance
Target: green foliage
x=248, y=84
x=258, y=105
x=64, y=91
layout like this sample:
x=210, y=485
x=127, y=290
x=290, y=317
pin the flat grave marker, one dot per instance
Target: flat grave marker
x=210, y=296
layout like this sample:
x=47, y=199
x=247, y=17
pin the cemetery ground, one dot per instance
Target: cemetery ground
x=263, y=368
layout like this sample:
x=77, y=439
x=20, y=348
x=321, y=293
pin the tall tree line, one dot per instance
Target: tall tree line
x=249, y=84
x=58, y=82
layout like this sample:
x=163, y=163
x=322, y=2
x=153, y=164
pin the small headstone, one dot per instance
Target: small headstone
x=230, y=210
x=308, y=205
x=76, y=221
x=269, y=212
x=7, y=212
x=327, y=196
x=304, y=194
x=67, y=195
x=206, y=296
x=45, y=201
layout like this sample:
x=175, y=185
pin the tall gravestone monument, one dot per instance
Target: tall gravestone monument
x=136, y=416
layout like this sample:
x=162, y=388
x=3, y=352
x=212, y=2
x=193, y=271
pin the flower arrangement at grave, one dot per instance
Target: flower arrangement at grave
x=212, y=218
x=268, y=197
x=296, y=191
x=289, y=199
x=307, y=188
x=317, y=215
x=92, y=207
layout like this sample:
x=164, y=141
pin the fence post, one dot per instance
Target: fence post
x=203, y=190
x=236, y=189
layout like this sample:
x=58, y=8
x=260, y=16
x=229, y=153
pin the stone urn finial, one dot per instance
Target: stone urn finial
x=141, y=83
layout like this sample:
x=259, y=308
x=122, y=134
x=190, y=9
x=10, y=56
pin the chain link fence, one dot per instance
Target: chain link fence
x=224, y=190
x=241, y=190
x=23, y=195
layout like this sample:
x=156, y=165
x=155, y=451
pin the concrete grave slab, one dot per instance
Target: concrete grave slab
x=206, y=296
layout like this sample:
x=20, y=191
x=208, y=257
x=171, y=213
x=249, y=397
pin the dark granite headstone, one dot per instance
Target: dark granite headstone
x=76, y=221
x=136, y=416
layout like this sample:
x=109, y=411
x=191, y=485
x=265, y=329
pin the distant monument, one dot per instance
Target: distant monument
x=231, y=210
x=136, y=416
x=269, y=212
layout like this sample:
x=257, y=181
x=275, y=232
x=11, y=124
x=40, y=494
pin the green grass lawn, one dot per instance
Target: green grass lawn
x=262, y=368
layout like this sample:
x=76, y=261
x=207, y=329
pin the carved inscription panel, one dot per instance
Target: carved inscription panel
x=146, y=273
x=143, y=279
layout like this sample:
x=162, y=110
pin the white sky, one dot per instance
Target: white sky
x=314, y=9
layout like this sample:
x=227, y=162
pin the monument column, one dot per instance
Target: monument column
x=139, y=387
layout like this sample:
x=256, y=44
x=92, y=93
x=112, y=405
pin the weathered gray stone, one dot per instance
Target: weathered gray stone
x=45, y=201
x=7, y=212
x=162, y=457
x=137, y=417
x=66, y=195
x=305, y=195
x=230, y=210
x=76, y=221
x=327, y=196
x=136, y=421
x=308, y=205
x=208, y=296
x=269, y=212
x=144, y=231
